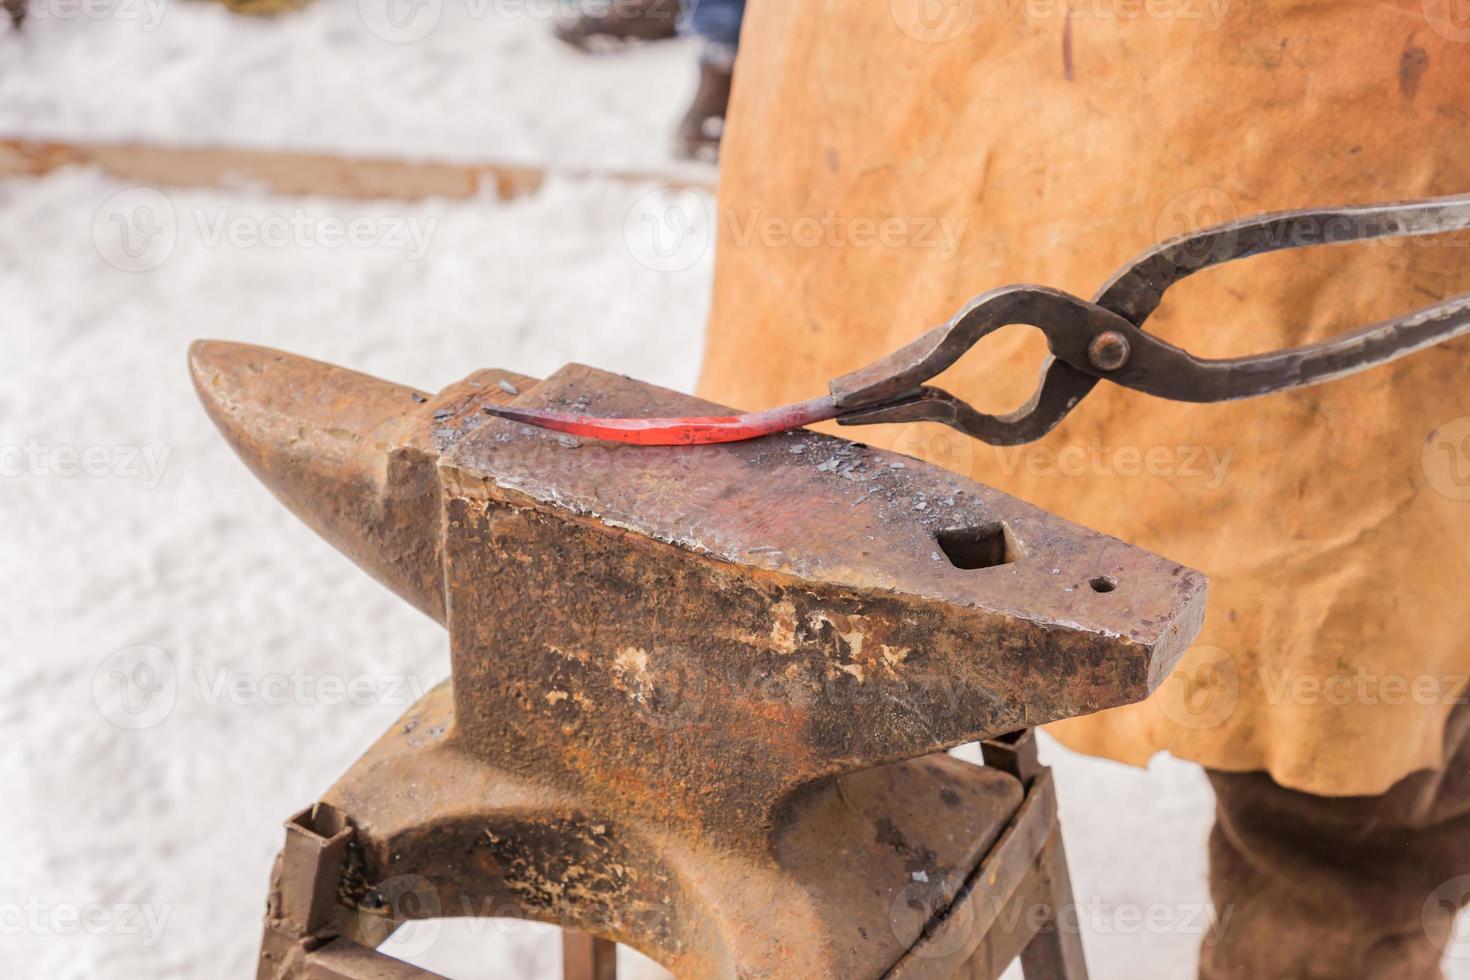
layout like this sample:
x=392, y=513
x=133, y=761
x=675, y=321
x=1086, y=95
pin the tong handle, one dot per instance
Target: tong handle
x=1090, y=341
x=1135, y=290
x=1156, y=367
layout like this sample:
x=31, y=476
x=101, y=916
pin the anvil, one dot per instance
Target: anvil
x=700, y=696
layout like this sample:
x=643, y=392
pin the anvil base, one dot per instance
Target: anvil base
x=931, y=867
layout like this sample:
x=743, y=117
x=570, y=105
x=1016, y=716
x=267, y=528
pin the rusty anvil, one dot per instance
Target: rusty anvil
x=700, y=696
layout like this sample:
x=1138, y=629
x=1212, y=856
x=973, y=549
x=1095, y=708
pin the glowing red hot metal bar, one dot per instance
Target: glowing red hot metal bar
x=688, y=431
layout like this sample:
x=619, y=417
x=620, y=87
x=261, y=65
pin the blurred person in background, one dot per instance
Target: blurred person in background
x=1050, y=143
x=600, y=27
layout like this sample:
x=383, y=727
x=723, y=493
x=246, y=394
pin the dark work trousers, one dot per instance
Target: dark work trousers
x=1324, y=887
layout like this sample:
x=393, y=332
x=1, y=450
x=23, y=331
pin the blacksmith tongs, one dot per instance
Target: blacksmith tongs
x=1092, y=341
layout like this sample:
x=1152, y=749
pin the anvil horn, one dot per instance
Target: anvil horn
x=351, y=455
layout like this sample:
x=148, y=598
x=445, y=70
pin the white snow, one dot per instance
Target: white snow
x=138, y=834
x=486, y=80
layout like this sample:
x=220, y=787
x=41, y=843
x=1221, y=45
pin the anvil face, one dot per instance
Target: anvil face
x=662, y=655
x=790, y=597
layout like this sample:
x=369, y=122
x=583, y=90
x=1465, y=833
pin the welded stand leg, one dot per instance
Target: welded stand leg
x=585, y=957
x=1055, y=952
x=301, y=940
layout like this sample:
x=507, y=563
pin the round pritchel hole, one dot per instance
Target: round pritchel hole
x=1103, y=584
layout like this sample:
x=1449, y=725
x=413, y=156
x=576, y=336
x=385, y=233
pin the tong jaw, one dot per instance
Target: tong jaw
x=894, y=385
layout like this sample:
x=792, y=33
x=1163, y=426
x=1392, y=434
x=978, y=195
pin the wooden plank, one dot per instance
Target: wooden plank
x=291, y=173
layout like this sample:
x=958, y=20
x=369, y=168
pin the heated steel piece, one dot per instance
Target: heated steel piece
x=1091, y=342
x=700, y=696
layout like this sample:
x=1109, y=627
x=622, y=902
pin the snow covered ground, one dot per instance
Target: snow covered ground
x=443, y=79
x=137, y=835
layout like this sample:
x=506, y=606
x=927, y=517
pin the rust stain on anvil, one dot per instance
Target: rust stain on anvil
x=661, y=655
x=646, y=579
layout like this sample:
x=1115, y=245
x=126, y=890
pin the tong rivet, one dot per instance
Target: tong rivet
x=1108, y=351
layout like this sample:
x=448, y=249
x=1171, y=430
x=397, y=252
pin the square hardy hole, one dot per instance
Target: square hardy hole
x=984, y=546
